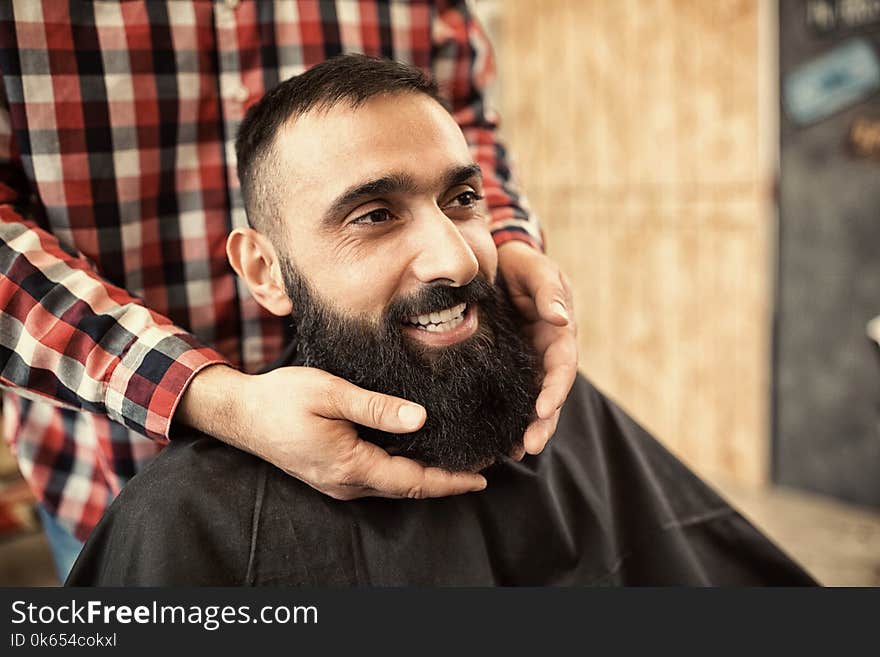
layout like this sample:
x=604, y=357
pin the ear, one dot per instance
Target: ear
x=253, y=258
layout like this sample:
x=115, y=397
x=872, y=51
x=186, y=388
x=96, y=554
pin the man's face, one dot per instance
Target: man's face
x=390, y=268
x=381, y=201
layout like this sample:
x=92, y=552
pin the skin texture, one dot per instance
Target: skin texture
x=425, y=229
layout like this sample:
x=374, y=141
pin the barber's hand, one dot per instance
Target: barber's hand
x=540, y=291
x=300, y=419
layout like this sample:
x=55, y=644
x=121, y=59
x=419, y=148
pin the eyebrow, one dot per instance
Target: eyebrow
x=393, y=183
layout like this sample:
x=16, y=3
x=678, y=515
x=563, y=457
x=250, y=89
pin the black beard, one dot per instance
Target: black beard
x=479, y=394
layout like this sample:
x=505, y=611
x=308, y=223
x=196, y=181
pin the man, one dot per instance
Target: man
x=119, y=313
x=369, y=230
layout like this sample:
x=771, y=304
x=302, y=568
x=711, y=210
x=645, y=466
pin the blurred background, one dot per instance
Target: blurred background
x=708, y=175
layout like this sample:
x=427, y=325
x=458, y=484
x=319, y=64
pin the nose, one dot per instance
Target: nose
x=443, y=253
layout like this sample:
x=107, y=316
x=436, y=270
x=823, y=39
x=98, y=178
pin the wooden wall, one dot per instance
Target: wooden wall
x=641, y=131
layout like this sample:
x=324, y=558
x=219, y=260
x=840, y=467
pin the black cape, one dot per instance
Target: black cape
x=604, y=504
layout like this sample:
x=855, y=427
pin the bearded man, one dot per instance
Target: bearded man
x=367, y=229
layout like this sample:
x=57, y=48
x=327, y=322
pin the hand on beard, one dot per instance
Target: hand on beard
x=541, y=294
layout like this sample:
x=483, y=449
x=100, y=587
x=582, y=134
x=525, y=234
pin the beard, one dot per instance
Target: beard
x=479, y=394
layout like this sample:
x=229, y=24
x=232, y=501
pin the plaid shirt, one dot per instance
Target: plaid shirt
x=117, y=191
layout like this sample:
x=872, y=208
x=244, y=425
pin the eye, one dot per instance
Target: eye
x=466, y=199
x=378, y=216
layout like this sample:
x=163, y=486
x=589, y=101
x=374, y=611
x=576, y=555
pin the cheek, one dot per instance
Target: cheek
x=354, y=279
x=361, y=288
x=480, y=240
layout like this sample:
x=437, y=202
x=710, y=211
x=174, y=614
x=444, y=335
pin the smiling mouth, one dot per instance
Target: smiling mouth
x=441, y=321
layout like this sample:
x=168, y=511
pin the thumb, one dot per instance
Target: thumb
x=347, y=401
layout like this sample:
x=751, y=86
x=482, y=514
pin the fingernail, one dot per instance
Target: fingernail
x=409, y=415
x=560, y=310
x=481, y=485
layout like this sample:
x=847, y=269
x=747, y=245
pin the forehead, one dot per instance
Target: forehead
x=325, y=152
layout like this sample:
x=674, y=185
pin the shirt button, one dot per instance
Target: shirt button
x=241, y=94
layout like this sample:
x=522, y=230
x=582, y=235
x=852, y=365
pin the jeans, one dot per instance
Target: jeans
x=64, y=546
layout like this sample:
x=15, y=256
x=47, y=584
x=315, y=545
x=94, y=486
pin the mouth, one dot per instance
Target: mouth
x=444, y=327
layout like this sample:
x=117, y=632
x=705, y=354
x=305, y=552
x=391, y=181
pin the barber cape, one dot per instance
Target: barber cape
x=605, y=504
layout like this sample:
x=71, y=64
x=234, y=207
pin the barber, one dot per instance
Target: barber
x=119, y=315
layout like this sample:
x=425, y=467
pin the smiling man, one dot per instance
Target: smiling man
x=369, y=232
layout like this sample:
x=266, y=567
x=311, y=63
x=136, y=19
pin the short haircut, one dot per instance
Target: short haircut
x=351, y=79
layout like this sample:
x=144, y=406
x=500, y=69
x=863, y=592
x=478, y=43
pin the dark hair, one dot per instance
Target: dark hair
x=351, y=79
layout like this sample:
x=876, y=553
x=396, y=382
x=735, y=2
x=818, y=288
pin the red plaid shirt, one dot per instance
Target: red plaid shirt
x=117, y=191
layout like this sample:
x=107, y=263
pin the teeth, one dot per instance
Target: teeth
x=445, y=326
x=452, y=313
x=440, y=321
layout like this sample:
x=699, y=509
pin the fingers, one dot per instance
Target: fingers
x=525, y=306
x=376, y=473
x=551, y=298
x=557, y=384
x=402, y=477
x=346, y=401
x=537, y=287
x=560, y=367
x=538, y=434
x=554, y=335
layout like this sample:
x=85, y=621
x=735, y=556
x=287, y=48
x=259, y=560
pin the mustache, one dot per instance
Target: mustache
x=437, y=297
